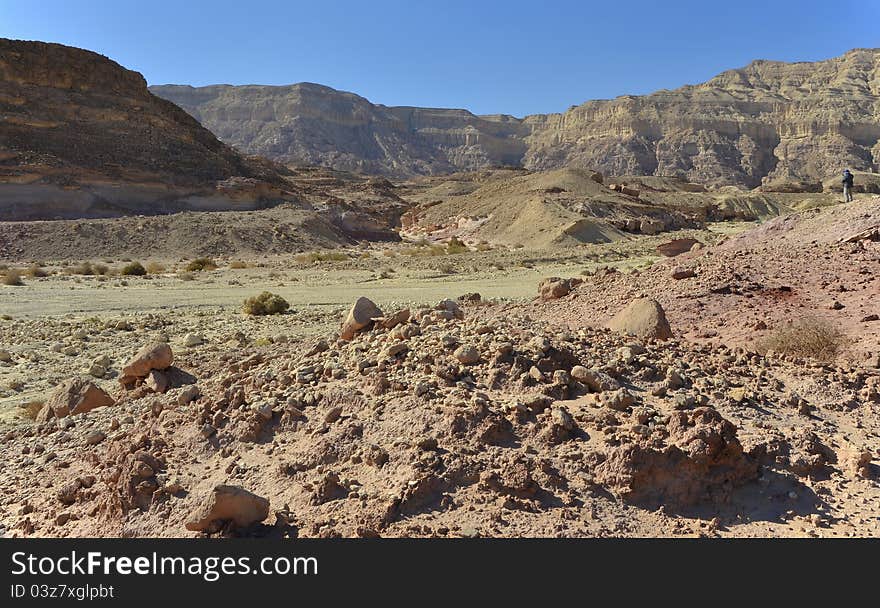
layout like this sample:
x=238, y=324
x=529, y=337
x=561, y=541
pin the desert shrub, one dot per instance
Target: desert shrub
x=238, y=264
x=265, y=304
x=456, y=246
x=134, y=269
x=36, y=271
x=424, y=250
x=186, y=276
x=84, y=268
x=200, y=264
x=32, y=408
x=12, y=277
x=320, y=256
x=155, y=268
x=89, y=269
x=812, y=338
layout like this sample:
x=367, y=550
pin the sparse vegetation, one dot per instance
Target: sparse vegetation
x=12, y=277
x=200, y=264
x=422, y=248
x=134, y=269
x=36, y=271
x=89, y=269
x=30, y=409
x=238, y=264
x=456, y=246
x=266, y=303
x=155, y=268
x=186, y=276
x=320, y=256
x=813, y=338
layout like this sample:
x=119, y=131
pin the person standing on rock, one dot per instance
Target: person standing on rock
x=847, y=186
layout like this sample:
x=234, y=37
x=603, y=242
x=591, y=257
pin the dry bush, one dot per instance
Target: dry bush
x=12, y=277
x=186, y=276
x=456, y=246
x=320, y=256
x=237, y=264
x=89, y=269
x=265, y=304
x=36, y=271
x=32, y=408
x=424, y=251
x=813, y=338
x=422, y=248
x=134, y=269
x=155, y=268
x=200, y=264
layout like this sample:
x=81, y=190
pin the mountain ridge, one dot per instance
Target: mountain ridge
x=726, y=130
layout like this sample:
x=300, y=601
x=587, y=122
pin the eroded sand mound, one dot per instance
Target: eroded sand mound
x=555, y=208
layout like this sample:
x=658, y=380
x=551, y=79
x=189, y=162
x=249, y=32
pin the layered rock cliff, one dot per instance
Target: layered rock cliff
x=313, y=124
x=82, y=136
x=768, y=121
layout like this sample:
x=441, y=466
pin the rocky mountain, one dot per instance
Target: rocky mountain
x=81, y=136
x=765, y=123
x=313, y=124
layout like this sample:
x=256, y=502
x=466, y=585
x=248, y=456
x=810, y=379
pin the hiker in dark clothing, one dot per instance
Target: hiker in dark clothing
x=847, y=186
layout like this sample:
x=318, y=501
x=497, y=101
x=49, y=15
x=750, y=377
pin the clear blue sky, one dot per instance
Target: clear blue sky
x=510, y=56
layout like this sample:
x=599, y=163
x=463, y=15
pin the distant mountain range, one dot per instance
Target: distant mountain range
x=767, y=122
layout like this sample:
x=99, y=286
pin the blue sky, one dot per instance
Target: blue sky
x=509, y=57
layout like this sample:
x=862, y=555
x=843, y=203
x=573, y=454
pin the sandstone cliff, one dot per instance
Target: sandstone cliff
x=768, y=121
x=82, y=136
x=313, y=124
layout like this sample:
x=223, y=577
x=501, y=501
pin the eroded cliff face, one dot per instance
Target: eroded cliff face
x=82, y=136
x=312, y=124
x=768, y=121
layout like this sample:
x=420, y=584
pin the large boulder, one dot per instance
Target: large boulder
x=152, y=356
x=643, y=318
x=553, y=288
x=676, y=247
x=361, y=316
x=156, y=356
x=76, y=396
x=229, y=504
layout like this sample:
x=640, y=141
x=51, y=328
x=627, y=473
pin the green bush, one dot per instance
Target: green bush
x=135, y=269
x=265, y=304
